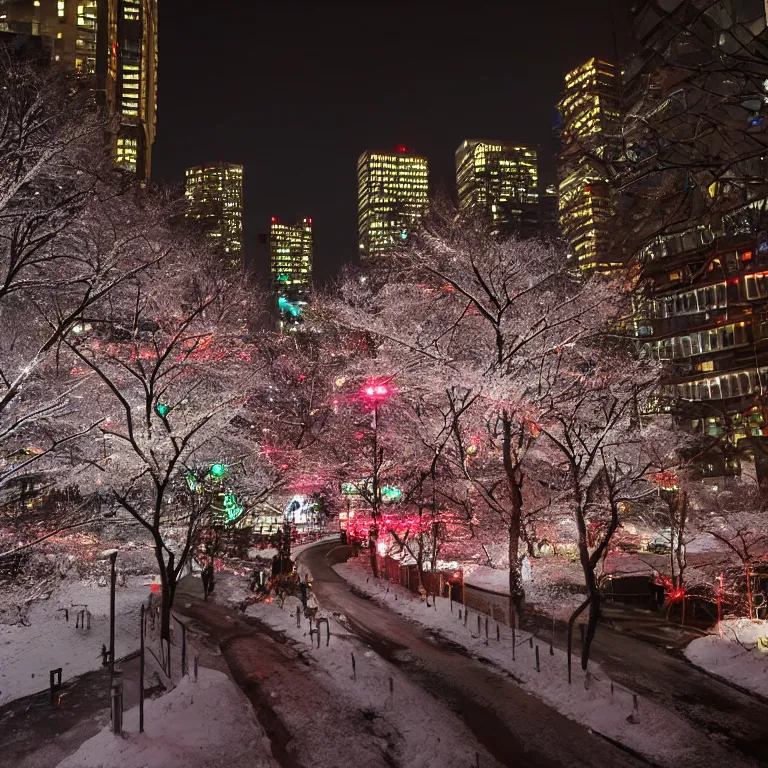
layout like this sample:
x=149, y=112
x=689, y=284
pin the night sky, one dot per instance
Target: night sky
x=296, y=91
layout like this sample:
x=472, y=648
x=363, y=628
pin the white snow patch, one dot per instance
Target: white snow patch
x=28, y=654
x=734, y=654
x=207, y=722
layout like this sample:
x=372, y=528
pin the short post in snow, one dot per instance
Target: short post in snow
x=298, y=616
x=55, y=676
x=538, y=667
x=513, y=641
x=354, y=671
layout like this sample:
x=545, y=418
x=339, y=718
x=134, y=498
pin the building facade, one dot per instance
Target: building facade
x=392, y=195
x=113, y=45
x=290, y=255
x=590, y=123
x=214, y=194
x=698, y=200
x=500, y=181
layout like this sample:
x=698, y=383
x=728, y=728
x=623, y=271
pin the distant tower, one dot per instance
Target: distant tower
x=215, y=196
x=501, y=181
x=392, y=195
x=290, y=255
x=112, y=44
x=590, y=125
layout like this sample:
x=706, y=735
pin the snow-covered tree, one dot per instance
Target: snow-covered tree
x=73, y=229
x=597, y=393
x=472, y=317
x=170, y=360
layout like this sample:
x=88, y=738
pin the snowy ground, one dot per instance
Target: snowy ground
x=734, y=654
x=29, y=653
x=590, y=700
x=206, y=723
x=411, y=727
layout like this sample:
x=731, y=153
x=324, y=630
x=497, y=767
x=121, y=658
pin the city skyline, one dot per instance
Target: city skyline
x=308, y=167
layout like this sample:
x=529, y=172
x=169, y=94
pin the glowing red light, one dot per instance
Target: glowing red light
x=401, y=149
x=381, y=390
x=155, y=588
x=274, y=219
x=370, y=391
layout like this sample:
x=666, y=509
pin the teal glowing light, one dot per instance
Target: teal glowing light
x=162, y=410
x=219, y=470
x=403, y=235
x=282, y=278
x=288, y=306
x=391, y=494
x=232, y=509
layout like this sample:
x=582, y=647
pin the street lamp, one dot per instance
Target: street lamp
x=111, y=555
x=375, y=392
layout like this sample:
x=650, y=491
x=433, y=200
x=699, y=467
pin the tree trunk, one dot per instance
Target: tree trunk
x=372, y=554
x=515, y=483
x=589, y=636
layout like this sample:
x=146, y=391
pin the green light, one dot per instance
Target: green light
x=231, y=507
x=162, y=410
x=282, y=278
x=219, y=470
x=288, y=306
x=391, y=494
x=192, y=482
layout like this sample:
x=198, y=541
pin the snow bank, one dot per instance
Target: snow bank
x=734, y=654
x=206, y=724
x=591, y=700
x=28, y=654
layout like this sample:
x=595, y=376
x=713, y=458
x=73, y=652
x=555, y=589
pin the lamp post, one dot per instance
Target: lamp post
x=375, y=393
x=111, y=555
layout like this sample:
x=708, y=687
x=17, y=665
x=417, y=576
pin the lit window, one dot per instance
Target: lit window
x=60, y=8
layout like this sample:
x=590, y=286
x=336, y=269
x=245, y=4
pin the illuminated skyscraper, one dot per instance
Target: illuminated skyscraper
x=392, y=195
x=590, y=118
x=290, y=255
x=500, y=180
x=113, y=45
x=215, y=196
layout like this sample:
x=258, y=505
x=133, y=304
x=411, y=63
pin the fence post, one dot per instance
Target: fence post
x=498, y=633
x=298, y=616
x=479, y=632
x=141, y=673
x=513, y=641
x=538, y=668
x=354, y=671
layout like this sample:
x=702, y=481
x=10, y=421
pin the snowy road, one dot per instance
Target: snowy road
x=515, y=727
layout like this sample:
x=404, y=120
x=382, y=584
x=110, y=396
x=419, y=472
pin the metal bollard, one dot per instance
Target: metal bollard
x=117, y=706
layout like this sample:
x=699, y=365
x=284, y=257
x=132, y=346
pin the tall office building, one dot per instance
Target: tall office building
x=215, y=196
x=113, y=45
x=590, y=111
x=696, y=202
x=392, y=195
x=290, y=255
x=500, y=180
